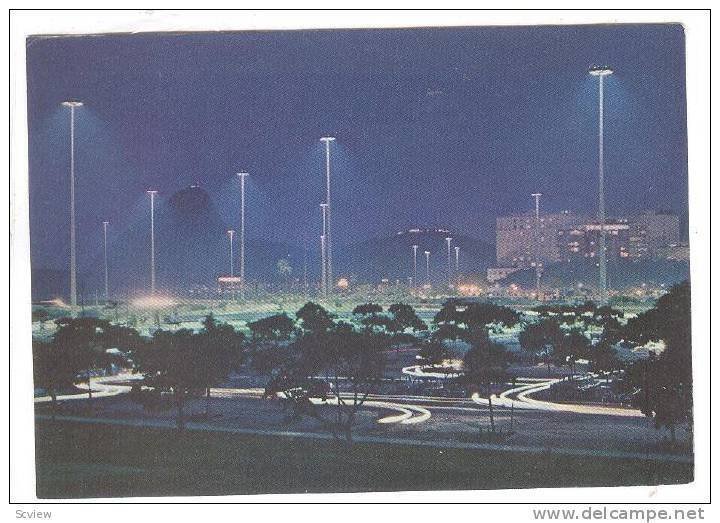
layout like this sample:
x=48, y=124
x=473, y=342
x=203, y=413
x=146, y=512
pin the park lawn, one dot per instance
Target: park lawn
x=78, y=460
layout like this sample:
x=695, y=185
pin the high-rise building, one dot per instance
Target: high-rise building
x=516, y=236
x=659, y=230
x=566, y=236
x=583, y=241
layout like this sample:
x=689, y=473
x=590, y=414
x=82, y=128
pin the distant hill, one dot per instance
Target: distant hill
x=191, y=249
x=391, y=257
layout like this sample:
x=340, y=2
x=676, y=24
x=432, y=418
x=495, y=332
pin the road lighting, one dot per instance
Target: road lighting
x=152, y=240
x=427, y=267
x=323, y=251
x=601, y=73
x=415, y=248
x=537, y=196
x=242, y=176
x=72, y=104
x=231, y=234
x=323, y=281
x=328, y=239
x=105, y=226
x=449, y=261
x=457, y=258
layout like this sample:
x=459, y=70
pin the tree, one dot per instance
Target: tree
x=357, y=357
x=572, y=347
x=84, y=341
x=481, y=315
x=367, y=309
x=352, y=361
x=486, y=364
x=433, y=352
x=664, y=382
x=168, y=365
x=53, y=370
x=603, y=358
x=314, y=318
x=371, y=317
x=541, y=338
x=449, y=313
x=449, y=321
x=216, y=350
x=405, y=317
x=273, y=328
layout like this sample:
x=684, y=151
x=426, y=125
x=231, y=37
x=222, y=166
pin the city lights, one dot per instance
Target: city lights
x=154, y=302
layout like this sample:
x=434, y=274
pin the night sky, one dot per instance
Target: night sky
x=434, y=127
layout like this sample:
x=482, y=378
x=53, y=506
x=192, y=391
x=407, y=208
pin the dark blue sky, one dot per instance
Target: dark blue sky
x=446, y=127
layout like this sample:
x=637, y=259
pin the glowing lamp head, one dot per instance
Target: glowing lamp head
x=327, y=139
x=600, y=71
x=151, y=192
x=243, y=174
x=231, y=232
x=73, y=103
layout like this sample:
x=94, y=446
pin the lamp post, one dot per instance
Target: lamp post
x=323, y=282
x=449, y=261
x=72, y=104
x=105, y=226
x=152, y=194
x=242, y=175
x=323, y=251
x=601, y=73
x=328, y=234
x=537, y=196
x=415, y=248
x=457, y=258
x=231, y=235
x=427, y=267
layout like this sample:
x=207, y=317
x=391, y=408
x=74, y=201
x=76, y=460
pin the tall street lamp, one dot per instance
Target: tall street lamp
x=242, y=175
x=537, y=196
x=328, y=234
x=323, y=276
x=231, y=234
x=449, y=261
x=72, y=104
x=415, y=248
x=427, y=267
x=601, y=73
x=457, y=258
x=105, y=226
x=152, y=194
x=324, y=250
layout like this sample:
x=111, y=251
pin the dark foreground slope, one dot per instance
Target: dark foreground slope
x=81, y=460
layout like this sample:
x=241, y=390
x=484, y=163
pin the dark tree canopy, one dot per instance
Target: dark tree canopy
x=367, y=308
x=275, y=327
x=314, y=318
